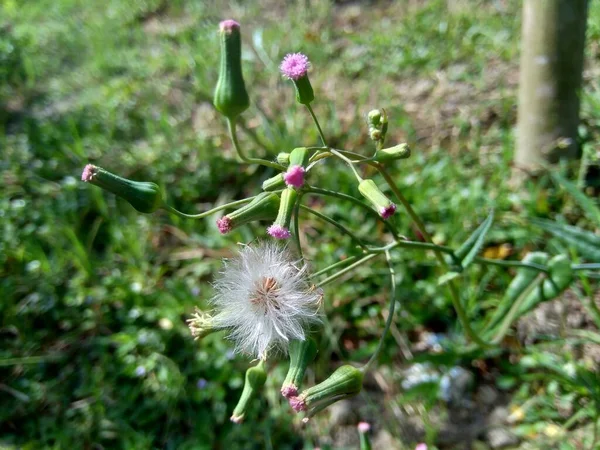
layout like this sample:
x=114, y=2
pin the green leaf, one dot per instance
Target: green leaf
x=471, y=247
x=585, y=242
x=587, y=204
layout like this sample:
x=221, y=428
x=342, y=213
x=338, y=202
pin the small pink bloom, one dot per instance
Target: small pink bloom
x=421, y=447
x=294, y=66
x=297, y=404
x=388, y=211
x=224, y=225
x=279, y=232
x=237, y=419
x=363, y=427
x=88, y=173
x=289, y=391
x=228, y=25
x=294, y=176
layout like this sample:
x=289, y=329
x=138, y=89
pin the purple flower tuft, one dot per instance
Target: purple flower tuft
x=228, y=25
x=363, y=427
x=201, y=384
x=294, y=66
x=289, y=391
x=421, y=447
x=88, y=173
x=279, y=232
x=388, y=211
x=224, y=225
x=294, y=176
x=297, y=404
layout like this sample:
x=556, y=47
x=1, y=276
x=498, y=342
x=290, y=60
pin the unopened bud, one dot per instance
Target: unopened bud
x=201, y=324
x=382, y=204
x=302, y=353
x=231, y=98
x=255, y=379
x=401, y=151
x=144, y=196
x=263, y=207
x=299, y=157
x=378, y=125
x=274, y=183
x=345, y=382
x=295, y=67
x=283, y=158
x=281, y=228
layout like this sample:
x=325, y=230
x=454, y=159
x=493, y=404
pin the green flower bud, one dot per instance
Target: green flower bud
x=345, y=382
x=263, y=207
x=255, y=379
x=382, y=204
x=274, y=183
x=281, y=228
x=299, y=157
x=231, y=98
x=201, y=324
x=144, y=196
x=302, y=353
x=401, y=151
x=283, y=158
x=374, y=118
x=378, y=125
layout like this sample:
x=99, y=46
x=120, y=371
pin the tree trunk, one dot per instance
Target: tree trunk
x=553, y=40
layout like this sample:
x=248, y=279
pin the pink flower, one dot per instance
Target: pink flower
x=88, y=173
x=224, y=225
x=228, y=25
x=294, y=176
x=294, y=66
x=388, y=211
x=363, y=427
x=289, y=391
x=421, y=447
x=297, y=404
x=279, y=232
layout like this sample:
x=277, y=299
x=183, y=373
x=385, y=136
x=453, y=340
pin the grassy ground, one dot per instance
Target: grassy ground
x=96, y=352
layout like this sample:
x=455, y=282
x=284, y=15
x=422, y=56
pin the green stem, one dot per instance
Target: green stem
x=347, y=161
x=314, y=118
x=335, y=265
x=210, y=211
x=509, y=263
x=589, y=266
x=390, y=317
x=297, y=225
x=336, y=224
x=462, y=316
x=351, y=267
x=231, y=125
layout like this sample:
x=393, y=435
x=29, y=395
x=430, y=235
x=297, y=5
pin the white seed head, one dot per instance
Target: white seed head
x=264, y=298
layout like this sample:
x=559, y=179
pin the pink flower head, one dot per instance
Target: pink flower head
x=294, y=176
x=363, y=427
x=228, y=25
x=289, y=391
x=294, y=66
x=88, y=173
x=224, y=225
x=297, y=404
x=388, y=211
x=279, y=232
x=421, y=447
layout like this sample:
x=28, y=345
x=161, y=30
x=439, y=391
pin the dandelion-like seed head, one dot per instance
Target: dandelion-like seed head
x=294, y=66
x=264, y=299
x=388, y=211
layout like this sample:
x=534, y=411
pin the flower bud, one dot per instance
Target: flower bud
x=295, y=67
x=401, y=151
x=263, y=207
x=255, y=380
x=283, y=158
x=274, y=183
x=201, y=324
x=299, y=157
x=345, y=382
x=363, y=432
x=231, y=98
x=382, y=204
x=144, y=196
x=281, y=228
x=378, y=125
x=302, y=353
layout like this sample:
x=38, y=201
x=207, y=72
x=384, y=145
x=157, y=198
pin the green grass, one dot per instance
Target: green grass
x=92, y=291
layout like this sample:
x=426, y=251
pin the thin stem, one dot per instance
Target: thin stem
x=342, y=272
x=390, y=316
x=462, y=316
x=297, y=226
x=589, y=266
x=336, y=224
x=509, y=263
x=314, y=118
x=335, y=265
x=231, y=125
x=347, y=161
x=210, y=211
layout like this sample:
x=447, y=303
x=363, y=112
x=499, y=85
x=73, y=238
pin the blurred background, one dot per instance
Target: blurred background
x=95, y=352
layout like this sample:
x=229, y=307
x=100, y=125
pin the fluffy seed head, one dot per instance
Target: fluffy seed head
x=264, y=299
x=88, y=173
x=388, y=211
x=224, y=225
x=294, y=66
x=279, y=232
x=294, y=176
